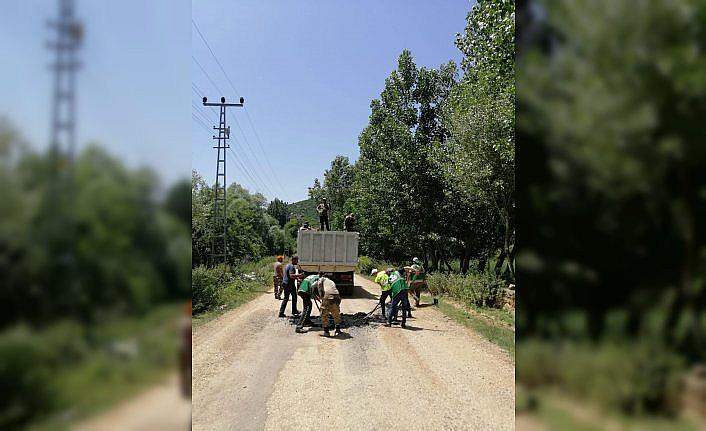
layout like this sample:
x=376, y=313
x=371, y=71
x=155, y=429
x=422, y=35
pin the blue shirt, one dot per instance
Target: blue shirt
x=287, y=269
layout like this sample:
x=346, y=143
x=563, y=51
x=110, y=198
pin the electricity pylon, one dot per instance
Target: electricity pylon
x=219, y=246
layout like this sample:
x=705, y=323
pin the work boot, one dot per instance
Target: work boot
x=281, y=315
x=299, y=330
x=403, y=325
x=338, y=330
x=327, y=333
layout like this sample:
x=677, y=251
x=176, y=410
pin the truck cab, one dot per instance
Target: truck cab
x=335, y=253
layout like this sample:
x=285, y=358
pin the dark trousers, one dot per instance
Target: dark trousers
x=306, y=300
x=323, y=221
x=383, y=297
x=289, y=290
x=400, y=299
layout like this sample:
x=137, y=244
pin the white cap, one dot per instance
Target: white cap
x=374, y=271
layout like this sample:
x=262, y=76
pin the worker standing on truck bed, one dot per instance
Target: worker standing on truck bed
x=307, y=288
x=290, y=276
x=323, y=208
x=349, y=223
x=330, y=303
x=277, y=277
x=399, y=296
x=383, y=279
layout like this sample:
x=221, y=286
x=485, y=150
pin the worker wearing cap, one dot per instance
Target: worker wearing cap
x=415, y=279
x=277, y=277
x=382, y=278
x=330, y=303
x=307, y=289
x=399, y=288
x=323, y=209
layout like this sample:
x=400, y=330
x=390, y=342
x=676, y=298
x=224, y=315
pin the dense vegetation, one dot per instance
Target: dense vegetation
x=80, y=254
x=435, y=177
x=613, y=198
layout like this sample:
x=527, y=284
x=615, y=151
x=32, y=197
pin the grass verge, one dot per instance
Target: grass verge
x=494, y=329
x=553, y=410
x=126, y=356
x=233, y=297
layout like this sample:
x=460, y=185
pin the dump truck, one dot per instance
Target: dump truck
x=335, y=253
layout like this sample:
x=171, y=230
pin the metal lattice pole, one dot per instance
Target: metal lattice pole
x=69, y=35
x=219, y=246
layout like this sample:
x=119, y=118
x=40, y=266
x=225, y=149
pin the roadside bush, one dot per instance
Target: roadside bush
x=482, y=290
x=25, y=377
x=634, y=378
x=206, y=286
x=365, y=264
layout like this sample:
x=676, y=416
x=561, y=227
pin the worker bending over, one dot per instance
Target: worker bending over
x=383, y=279
x=330, y=303
x=399, y=296
x=415, y=279
x=305, y=292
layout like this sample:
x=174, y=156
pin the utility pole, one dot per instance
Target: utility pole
x=219, y=247
x=56, y=225
x=69, y=35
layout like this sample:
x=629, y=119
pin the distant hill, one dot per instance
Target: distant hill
x=304, y=211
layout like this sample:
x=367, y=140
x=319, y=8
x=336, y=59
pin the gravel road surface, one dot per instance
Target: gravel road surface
x=251, y=371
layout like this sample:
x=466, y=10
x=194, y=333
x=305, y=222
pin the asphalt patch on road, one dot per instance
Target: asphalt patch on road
x=356, y=320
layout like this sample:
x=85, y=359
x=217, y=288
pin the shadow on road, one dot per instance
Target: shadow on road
x=359, y=292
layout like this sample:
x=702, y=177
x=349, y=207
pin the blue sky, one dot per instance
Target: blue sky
x=134, y=86
x=308, y=71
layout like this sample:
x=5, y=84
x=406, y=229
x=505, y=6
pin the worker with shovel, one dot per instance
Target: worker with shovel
x=399, y=296
x=330, y=303
x=307, y=288
x=382, y=278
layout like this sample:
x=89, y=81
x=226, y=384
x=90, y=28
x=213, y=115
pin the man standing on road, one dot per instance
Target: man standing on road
x=290, y=276
x=323, y=208
x=399, y=296
x=307, y=288
x=330, y=303
x=277, y=278
x=382, y=278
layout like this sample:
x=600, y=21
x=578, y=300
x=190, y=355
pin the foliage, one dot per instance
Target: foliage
x=483, y=290
x=279, y=210
x=612, y=123
x=435, y=176
x=77, y=246
x=304, y=211
x=638, y=377
x=206, y=287
x=252, y=229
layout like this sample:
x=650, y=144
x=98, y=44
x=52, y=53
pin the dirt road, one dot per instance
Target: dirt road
x=252, y=372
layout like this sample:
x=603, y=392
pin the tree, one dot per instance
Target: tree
x=279, y=210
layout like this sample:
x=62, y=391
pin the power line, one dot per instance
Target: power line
x=207, y=75
x=214, y=56
x=245, y=156
x=259, y=141
x=257, y=136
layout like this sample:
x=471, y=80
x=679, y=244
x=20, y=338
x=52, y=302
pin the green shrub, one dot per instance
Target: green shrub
x=365, y=264
x=25, y=376
x=482, y=290
x=634, y=378
x=207, y=285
